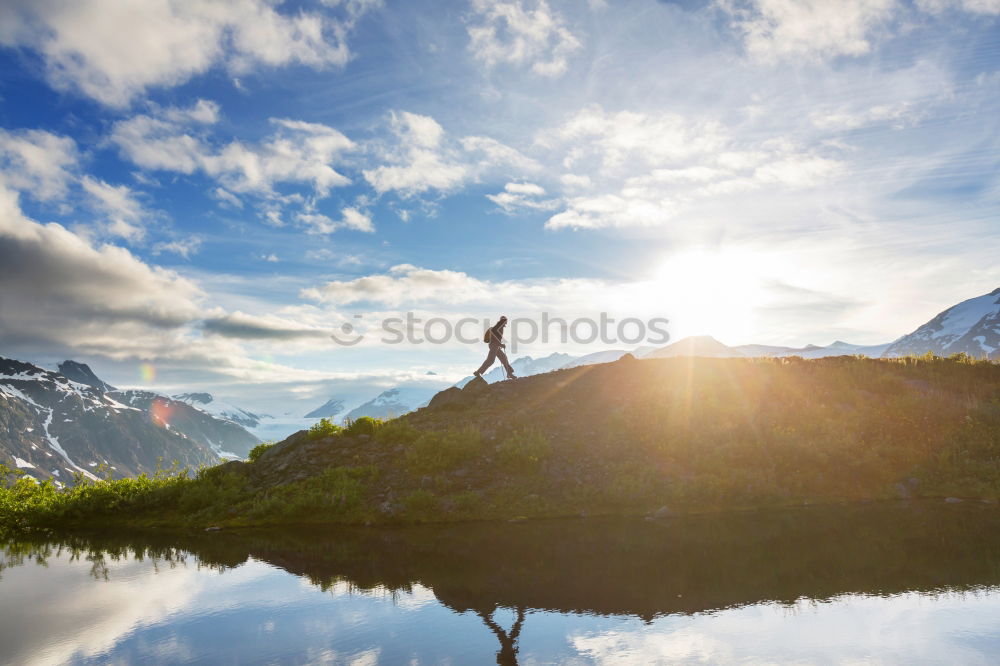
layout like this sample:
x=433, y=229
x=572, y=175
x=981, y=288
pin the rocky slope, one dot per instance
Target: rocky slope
x=638, y=436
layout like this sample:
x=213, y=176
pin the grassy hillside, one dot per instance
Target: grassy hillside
x=627, y=437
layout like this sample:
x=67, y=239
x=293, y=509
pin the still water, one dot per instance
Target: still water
x=897, y=584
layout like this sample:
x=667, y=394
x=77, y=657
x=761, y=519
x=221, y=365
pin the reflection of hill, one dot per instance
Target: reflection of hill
x=634, y=567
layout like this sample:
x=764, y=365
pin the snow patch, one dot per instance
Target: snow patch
x=23, y=464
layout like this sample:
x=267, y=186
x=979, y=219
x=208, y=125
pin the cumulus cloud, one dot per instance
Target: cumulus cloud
x=816, y=29
x=37, y=162
x=114, y=51
x=63, y=293
x=420, y=161
x=56, y=286
x=420, y=156
x=534, y=36
x=636, y=169
x=298, y=152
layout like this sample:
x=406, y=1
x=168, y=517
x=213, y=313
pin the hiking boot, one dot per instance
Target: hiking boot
x=511, y=376
x=477, y=374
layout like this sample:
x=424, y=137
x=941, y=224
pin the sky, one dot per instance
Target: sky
x=198, y=194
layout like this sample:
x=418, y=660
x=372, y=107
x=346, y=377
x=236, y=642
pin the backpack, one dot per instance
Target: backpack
x=487, y=334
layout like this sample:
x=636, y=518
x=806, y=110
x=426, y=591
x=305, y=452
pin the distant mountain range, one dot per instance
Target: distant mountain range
x=394, y=402
x=54, y=424
x=220, y=409
x=327, y=410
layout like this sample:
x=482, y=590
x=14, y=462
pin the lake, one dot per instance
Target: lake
x=913, y=582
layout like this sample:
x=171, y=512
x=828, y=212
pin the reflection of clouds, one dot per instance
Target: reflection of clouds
x=416, y=597
x=363, y=658
x=72, y=614
x=904, y=628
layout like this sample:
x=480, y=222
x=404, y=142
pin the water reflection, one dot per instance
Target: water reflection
x=517, y=575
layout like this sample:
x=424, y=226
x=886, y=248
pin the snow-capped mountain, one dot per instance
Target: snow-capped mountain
x=226, y=437
x=972, y=327
x=82, y=374
x=221, y=409
x=696, y=345
x=52, y=427
x=394, y=402
x=327, y=410
x=607, y=356
x=838, y=348
x=524, y=366
x=704, y=345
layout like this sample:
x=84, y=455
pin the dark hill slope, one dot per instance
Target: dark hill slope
x=638, y=435
x=629, y=437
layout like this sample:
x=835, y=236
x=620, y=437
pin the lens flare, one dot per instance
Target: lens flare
x=147, y=373
x=160, y=412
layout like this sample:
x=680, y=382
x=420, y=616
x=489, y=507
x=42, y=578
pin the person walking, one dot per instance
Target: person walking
x=494, y=337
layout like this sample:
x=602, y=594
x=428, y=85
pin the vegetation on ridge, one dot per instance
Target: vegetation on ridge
x=624, y=437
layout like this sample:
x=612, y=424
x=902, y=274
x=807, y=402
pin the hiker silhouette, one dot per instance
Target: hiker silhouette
x=494, y=337
x=507, y=656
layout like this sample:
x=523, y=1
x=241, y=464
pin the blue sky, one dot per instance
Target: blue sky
x=211, y=188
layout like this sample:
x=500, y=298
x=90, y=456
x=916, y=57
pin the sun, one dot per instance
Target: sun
x=712, y=292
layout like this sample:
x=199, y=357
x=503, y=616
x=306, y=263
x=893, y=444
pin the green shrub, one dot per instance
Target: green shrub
x=422, y=505
x=364, y=425
x=324, y=428
x=523, y=451
x=436, y=452
x=397, y=432
x=257, y=451
x=335, y=493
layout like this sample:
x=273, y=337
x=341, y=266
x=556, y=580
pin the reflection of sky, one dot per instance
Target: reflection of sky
x=259, y=614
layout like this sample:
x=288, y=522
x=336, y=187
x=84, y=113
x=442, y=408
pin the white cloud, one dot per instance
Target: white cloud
x=816, y=29
x=351, y=218
x=37, y=162
x=635, y=169
x=618, y=139
x=456, y=292
x=419, y=160
x=575, y=180
x=971, y=6
x=113, y=51
x=496, y=154
x=847, y=120
x=522, y=195
x=124, y=213
x=509, y=32
x=227, y=197
x=421, y=156
x=612, y=210
x=185, y=247
x=298, y=152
